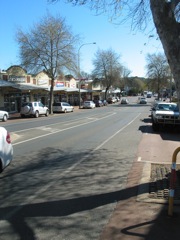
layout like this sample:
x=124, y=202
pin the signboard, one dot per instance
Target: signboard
x=42, y=81
x=17, y=79
x=59, y=84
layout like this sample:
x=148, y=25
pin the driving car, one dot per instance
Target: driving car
x=62, y=107
x=89, y=104
x=34, y=109
x=4, y=115
x=142, y=100
x=6, y=149
x=164, y=113
x=124, y=101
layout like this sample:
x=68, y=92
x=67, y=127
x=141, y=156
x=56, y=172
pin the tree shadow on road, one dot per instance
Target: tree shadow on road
x=44, y=167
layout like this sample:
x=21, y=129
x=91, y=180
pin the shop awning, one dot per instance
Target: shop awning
x=66, y=89
x=25, y=87
x=4, y=83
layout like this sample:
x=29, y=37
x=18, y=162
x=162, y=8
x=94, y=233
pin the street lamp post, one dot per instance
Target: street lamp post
x=79, y=71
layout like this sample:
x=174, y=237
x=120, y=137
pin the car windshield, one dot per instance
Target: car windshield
x=167, y=107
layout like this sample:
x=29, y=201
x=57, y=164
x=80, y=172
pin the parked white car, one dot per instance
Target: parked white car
x=89, y=104
x=4, y=115
x=33, y=109
x=62, y=107
x=165, y=113
x=6, y=149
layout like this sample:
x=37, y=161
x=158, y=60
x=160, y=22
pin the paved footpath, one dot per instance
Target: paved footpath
x=135, y=219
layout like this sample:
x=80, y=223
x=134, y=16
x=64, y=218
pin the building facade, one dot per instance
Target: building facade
x=17, y=86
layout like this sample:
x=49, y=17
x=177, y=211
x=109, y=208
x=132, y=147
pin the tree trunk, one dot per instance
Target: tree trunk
x=168, y=30
x=51, y=97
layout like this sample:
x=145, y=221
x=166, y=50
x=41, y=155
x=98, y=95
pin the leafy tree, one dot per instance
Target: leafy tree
x=48, y=46
x=122, y=82
x=107, y=68
x=135, y=84
x=157, y=71
x=164, y=13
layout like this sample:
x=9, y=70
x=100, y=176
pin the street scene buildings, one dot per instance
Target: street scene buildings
x=17, y=86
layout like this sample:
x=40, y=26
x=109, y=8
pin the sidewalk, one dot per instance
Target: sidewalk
x=136, y=215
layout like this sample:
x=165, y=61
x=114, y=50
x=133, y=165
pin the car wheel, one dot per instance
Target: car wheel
x=65, y=110
x=5, y=118
x=47, y=113
x=36, y=115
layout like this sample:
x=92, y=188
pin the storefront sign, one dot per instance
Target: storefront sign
x=59, y=84
x=42, y=81
x=17, y=79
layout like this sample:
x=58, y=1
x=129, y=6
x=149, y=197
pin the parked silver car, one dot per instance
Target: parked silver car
x=62, y=107
x=89, y=104
x=34, y=109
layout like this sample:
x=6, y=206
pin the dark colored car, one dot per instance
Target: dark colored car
x=98, y=103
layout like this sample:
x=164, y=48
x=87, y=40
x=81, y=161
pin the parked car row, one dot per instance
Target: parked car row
x=36, y=109
x=111, y=100
x=95, y=103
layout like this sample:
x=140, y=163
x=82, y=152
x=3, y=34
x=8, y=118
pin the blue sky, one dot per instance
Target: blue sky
x=132, y=46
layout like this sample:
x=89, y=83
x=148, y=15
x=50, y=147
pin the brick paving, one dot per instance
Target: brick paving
x=143, y=211
x=160, y=181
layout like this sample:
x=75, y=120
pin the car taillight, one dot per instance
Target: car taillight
x=8, y=138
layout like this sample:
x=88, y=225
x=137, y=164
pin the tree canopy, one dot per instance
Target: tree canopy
x=157, y=71
x=107, y=68
x=48, y=46
x=165, y=14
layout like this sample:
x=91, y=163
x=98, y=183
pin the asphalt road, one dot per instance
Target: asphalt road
x=67, y=172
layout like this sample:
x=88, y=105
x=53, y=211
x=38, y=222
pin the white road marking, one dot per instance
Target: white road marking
x=57, y=131
x=107, y=140
x=29, y=199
